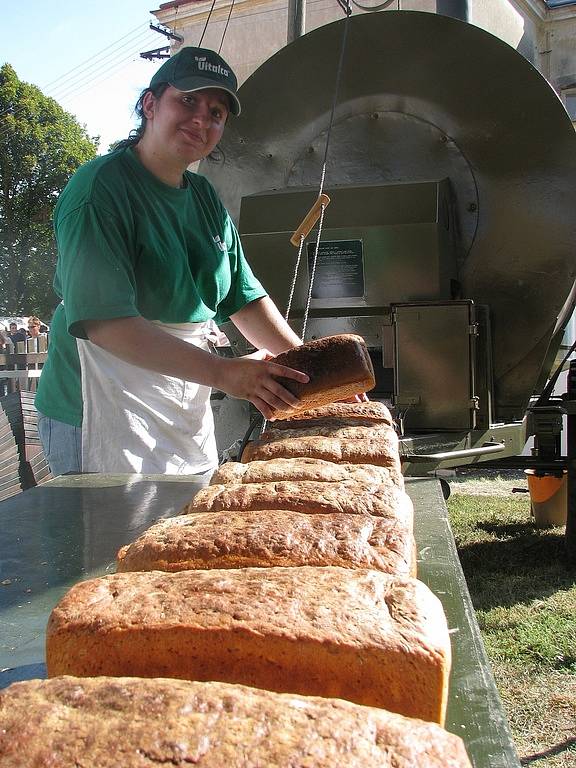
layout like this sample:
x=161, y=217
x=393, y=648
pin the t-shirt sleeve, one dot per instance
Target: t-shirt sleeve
x=245, y=287
x=95, y=267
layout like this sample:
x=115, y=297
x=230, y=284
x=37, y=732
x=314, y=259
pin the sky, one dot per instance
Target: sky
x=84, y=54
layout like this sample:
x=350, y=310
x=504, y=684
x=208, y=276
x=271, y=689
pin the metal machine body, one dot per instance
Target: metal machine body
x=448, y=243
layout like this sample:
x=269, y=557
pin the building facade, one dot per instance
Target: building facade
x=248, y=32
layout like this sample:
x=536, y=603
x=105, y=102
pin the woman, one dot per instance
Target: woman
x=34, y=327
x=147, y=256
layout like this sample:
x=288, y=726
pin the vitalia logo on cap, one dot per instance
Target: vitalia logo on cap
x=206, y=66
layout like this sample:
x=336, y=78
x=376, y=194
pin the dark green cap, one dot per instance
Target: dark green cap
x=192, y=69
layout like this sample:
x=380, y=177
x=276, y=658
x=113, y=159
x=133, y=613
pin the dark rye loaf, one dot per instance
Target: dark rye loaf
x=338, y=367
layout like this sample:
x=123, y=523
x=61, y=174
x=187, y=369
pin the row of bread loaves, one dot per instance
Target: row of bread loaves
x=276, y=621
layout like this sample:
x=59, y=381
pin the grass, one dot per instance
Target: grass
x=525, y=601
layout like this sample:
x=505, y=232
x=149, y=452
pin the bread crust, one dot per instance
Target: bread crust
x=309, y=497
x=381, y=450
x=329, y=428
x=271, y=538
x=338, y=367
x=360, y=635
x=343, y=414
x=303, y=469
x=137, y=723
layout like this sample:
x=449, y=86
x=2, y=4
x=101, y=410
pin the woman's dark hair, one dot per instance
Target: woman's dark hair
x=136, y=133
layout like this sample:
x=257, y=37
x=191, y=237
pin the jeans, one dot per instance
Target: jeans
x=62, y=445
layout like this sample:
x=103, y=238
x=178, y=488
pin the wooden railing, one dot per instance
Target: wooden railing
x=21, y=364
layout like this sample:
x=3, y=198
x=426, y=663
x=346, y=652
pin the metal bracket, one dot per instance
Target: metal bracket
x=408, y=401
x=545, y=423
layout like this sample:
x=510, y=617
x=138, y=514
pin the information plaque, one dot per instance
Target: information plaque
x=339, y=269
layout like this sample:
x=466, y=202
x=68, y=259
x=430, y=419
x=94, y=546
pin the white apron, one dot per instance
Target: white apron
x=140, y=421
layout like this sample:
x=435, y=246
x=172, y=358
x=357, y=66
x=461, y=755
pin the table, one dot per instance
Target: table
x=70, y=529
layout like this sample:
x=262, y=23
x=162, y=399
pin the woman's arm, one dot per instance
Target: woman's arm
x=264, y=327
x=140, y=342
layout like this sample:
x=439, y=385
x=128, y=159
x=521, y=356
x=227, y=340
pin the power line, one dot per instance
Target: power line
x=89, y=79
x=93, y=83
x=110, y=71
x=100, y=59
x=97, y=66
x=92, y=57
x=81, y=81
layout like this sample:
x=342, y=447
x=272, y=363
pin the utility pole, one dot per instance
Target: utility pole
x=164, y=52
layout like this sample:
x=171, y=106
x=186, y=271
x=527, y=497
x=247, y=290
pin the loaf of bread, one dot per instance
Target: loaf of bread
x=381, y=450
x=338, y=414
x=359, y=635
x=272, y=538
x=338, y=367
x=307, y=497
x=136, y=723
x=327, y=429
x=303, y=469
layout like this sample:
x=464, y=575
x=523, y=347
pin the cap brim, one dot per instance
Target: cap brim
x=188, y=85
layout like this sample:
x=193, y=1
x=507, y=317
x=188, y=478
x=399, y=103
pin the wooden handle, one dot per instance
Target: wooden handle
x=310, y=219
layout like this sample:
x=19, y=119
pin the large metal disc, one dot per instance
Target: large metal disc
x=425, y=96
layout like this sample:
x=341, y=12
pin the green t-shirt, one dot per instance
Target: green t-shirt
x=130, y=245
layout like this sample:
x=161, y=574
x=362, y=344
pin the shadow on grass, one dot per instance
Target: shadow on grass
x=556, y=750
x=515, y=529
x=528, y=565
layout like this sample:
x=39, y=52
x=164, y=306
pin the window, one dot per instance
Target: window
x=569, y=99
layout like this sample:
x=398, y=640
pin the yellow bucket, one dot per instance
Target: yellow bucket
x=548, y=497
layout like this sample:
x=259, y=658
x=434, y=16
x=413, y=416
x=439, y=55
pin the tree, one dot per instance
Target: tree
x=41, y=146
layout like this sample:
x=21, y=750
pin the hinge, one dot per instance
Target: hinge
x=474, y=403
x=388, y=316
x=473, y=329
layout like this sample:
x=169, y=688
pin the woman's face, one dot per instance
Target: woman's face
x=33, y=329
x=189, y=125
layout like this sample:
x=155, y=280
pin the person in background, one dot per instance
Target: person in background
x=4, y=338
x=147, y=257
x=34, y=327
x=16, y=334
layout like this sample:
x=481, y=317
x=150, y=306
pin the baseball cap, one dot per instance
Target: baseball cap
x=192, y=69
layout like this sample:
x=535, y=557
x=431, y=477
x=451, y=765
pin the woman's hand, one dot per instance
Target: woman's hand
x=254, y=378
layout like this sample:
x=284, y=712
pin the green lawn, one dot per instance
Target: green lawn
x=525, y=601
